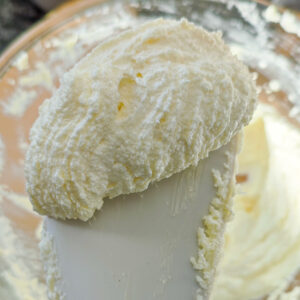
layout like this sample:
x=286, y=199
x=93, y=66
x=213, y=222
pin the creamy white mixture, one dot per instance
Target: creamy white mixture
x=262, y=250
x=211, y=234
x=52, y=272
x=65, y=52
x=145, y=104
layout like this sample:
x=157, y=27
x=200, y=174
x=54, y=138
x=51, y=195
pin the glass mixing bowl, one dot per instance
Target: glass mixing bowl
x=266, y=38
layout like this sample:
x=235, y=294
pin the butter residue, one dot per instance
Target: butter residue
x=18, y=199
x=21, y=61
x=145, y=104
x=2, y=156
x=211, y=234
x=18, y=102
x=39, y=76
x=52, y=272
x=18, y=276
x=287, y=19
x=262, y=250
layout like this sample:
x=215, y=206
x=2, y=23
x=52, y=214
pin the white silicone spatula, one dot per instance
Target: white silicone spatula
x=138, y=247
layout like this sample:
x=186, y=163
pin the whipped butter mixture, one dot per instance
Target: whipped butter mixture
x=262, y=250
x=254, y=264
x=145, y=104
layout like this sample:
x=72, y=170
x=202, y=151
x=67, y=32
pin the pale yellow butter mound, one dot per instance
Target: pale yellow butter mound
x=145, y=104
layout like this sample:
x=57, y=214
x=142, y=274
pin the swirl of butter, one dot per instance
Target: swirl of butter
x=143, y=105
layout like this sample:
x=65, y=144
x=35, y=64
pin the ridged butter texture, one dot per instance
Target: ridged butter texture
x=143, y=105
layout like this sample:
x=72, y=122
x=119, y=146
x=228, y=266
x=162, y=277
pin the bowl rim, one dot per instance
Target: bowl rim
x=51, y=21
